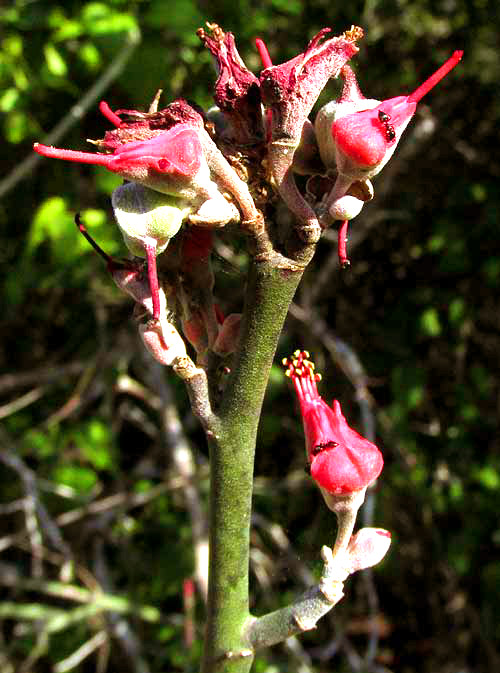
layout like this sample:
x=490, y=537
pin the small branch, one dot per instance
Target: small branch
x=122, y=500
x=62, y=591
x=120, y=626
x=84, y=651
x=31, y=501
x=81, y=393
x=37, y=517
x=22, y=402
x=305, y=612
x=367, y=548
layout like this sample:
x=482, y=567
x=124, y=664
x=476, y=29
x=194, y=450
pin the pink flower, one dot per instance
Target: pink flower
x=357, y=136
x=341, y=461
x=168, y=161
x=366, y=132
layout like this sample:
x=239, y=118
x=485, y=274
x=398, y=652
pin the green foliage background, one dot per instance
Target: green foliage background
x=419, y=306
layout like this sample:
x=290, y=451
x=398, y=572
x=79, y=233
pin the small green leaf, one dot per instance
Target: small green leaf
x=143, y=486
x=18, y=126
x=96, y=445
x=436, y=243
x=99, y=19
x=459, y=562
x=13, y=46
x=456, y=491
x=42, y=443
x=82, y=479
x=429, y=323
x=488, y=477
x=90, y=56
x=478, y=192
x=482, y=379
x=414, y=397
x=491, y=269
x=288, y=6
x=49, y=220
x=9, y=99
x=55, y=62
x=469, y=412
x=456, y=311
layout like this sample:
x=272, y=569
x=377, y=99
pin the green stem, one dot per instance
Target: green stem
x=232, y=447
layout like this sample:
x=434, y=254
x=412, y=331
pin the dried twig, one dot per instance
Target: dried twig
x=120, y=626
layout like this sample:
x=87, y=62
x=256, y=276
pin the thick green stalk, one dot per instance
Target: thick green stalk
x=270, y=290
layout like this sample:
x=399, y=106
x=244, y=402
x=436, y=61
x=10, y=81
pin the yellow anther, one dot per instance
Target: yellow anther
x=284, y=361
x=317, y=377
x=306, y=354
x=288, y=373
x=298, y=371
x=353, y=34
x=296, y=353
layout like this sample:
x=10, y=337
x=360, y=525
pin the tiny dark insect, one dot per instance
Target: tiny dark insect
x=390, y=133
x=321, y=447
x=307, y=469
x=383, y=116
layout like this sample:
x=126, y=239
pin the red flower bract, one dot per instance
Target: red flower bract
x=341, y=460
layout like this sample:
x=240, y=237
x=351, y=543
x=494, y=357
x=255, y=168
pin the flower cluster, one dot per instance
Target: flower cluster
x=182, y=166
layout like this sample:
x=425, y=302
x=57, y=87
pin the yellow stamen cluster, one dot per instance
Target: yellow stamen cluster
x=299, y=365
x=353, y=34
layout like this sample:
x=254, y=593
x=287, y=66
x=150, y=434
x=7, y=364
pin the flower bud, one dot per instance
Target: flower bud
x=142, y=214
x=195, y=330
x=163, y=341
x=346, y=208
x=229, y=334
x=367, y=548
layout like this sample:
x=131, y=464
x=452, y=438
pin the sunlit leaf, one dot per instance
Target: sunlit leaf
x=81, y=479
x=55, y=61
x=430, y=324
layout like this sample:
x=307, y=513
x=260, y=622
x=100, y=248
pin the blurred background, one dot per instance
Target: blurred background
x=103, y=469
